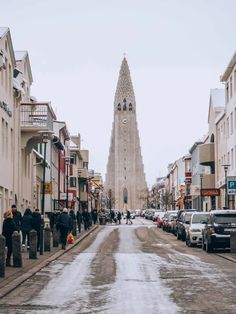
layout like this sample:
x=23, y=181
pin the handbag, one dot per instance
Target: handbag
x=70, y=238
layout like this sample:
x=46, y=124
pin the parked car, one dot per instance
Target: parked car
x=160, y=219
x=149, y=213
x=143, y=212
x=166, y=218
x=194, y=231
x=155, y=214
x=216, y=233
x=178, y=221
x=183, y=224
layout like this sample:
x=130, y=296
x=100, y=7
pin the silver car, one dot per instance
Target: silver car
x=194, y=230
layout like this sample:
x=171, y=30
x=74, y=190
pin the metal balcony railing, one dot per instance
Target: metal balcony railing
x=36, y=115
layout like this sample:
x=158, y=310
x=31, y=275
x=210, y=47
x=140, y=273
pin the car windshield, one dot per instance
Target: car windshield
x=200, y=218
x=225, y=218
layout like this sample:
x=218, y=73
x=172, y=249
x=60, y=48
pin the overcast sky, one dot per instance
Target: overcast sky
x=176, y=50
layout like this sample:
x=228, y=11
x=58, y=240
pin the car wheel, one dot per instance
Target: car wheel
x=178, y=236
x=183, y=237
x=209, y=247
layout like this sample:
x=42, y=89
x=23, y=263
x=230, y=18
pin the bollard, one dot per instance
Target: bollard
x=16, y=249
x=47, y=239
x=33, y=239
x=233, y=242
x=55, y=236
x=74, y=231
x=2, y=256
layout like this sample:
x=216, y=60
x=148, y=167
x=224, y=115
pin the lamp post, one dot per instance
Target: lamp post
x=79, y=175
x=45, y=139
x=67, y=160
x=226, y=166
x=201, y=199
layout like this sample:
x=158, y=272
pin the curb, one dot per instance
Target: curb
x=9, y=287
x=229, y=258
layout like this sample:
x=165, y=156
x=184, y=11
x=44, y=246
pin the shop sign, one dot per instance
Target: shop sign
x=210, y=192
x=188, y=174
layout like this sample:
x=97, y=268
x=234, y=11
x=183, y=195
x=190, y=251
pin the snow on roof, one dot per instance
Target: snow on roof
x=20, y=55
x=217, y=97
x=3, y=31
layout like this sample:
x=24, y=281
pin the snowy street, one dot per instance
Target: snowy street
x=129, y=269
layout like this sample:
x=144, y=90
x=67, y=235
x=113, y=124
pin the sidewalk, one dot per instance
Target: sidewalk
x=15, y=276
x=229, y=256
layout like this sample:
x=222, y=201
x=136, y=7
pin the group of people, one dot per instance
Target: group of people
x=14, y=221
x=116, y=217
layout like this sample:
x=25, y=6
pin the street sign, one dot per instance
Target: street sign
x=231, y=185
x=210, y=192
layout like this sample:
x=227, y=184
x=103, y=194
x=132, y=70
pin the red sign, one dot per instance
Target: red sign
x=188, y=174
x=210, y=192
x=188, y=180
x=188, y=197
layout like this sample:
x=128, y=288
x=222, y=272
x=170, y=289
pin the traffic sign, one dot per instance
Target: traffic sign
x=231, y=185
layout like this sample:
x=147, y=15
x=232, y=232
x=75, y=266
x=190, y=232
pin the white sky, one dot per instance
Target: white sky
x=176, y=50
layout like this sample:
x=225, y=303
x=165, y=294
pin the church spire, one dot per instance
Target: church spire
x=124, y=89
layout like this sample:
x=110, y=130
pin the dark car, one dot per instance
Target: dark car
x=168, y=216
x=216, y=233
x=178, y=222
x=183, y=223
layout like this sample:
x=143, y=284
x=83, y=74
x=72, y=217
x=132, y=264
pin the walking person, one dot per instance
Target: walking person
x=95, y=215
x=119, y=217
x=63, y=225
x=86, y=218
x=72, y=219
x=8, y=228
x=26, y=226
x=128, y=217
x=36, y=225
x=17, y=217
x=79, y=219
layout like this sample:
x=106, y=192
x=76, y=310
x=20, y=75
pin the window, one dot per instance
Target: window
x=227, y=92
x=231, y=86
x=73, y=159
x=227, y=127
x=130, y=107
x=119, y=107
x=231, y=123
x=72, y=182
x=85, y=165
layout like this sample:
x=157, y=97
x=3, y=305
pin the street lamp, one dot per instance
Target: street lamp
x=226, y=166
x=67, y=160
x=79, y=176
x=46, y=136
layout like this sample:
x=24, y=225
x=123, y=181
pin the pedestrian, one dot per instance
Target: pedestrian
x=72, y=219
x=95, y=215
x=17, y=217
x=36, y=225
x=26, y=226
x=128, y=216
x=79, y=219
x=86, y=218
x=112, y=216
x=119, y=216
x=8, y=228
x=63, y=225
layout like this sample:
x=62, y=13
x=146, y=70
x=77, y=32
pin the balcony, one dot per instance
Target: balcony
x=208, y=181
x=35, y=117
x=207, y=154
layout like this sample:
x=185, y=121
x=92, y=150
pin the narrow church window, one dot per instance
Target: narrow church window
x=130, y=107
x=119, y=107
x=124, y=107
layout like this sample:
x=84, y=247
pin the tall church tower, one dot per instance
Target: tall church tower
x=125, y=182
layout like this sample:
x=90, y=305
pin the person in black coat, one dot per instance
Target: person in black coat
x=63, y=225
x=36, y=224
x=26, y=226
x=119, y=217
x=72, y=218
x=8, y=228
x=95, y=215
x=86, y=218
x=79, y=219
x=17, y=217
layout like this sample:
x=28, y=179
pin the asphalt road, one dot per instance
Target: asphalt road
x=129, y=269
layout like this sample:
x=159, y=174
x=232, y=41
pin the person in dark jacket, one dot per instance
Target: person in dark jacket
x=36, y=224
x=79, y=219
x=95, y=215
x=8, y=228
x=72, y=219
x=86, y=218
x=128, y=217
x=119, y=217
x=63, y=225
x=17, y=217
x=26, y=226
